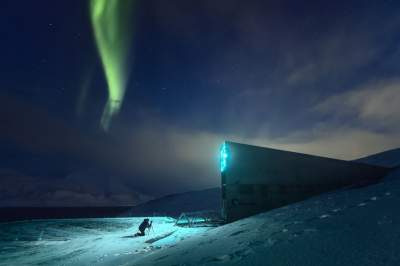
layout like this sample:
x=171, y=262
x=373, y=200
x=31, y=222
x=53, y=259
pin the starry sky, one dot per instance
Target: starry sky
x=316, y=77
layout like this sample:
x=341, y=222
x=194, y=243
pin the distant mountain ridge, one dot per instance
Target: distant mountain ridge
x=174, y=204
x=171, y=205
x=34, y=179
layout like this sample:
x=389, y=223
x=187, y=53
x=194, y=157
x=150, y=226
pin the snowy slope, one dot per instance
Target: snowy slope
x=389, y=158
x=347, y=227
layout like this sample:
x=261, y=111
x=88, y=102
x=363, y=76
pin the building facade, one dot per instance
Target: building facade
x=256, y=179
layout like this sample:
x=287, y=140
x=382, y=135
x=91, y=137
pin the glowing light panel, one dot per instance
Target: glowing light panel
x=223, y=157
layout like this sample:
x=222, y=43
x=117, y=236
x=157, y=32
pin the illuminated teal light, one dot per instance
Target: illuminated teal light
x=223, y=156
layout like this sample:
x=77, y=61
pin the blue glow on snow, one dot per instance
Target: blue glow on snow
x=223, y=156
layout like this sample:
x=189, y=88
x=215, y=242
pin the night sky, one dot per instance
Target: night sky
x=319, y=77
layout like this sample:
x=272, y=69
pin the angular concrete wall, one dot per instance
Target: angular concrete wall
x=256, y=179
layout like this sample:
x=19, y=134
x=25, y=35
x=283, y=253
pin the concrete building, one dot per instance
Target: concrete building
x=256, y=179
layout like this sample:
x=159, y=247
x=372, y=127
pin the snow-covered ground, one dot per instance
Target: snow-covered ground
x=85, y=241
x=348, y=227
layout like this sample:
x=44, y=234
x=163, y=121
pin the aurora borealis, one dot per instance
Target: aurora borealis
x=111, y=22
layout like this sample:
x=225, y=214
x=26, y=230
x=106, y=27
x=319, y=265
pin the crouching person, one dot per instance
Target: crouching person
x=143, y=226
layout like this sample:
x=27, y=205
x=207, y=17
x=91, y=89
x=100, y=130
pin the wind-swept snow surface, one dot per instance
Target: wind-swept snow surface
x=85, y=241
x=348, y=227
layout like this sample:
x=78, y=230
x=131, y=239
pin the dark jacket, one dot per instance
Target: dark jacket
x=144, y=225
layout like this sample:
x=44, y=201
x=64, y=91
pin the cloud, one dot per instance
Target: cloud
x=169, y=158
x=337, y=53
x=344, y=143
x=158, y=158
x=359, y=122
x=176, y=159
x=341, y=50
x=375, y=105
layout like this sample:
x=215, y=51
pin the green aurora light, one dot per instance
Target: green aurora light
x=112, y=24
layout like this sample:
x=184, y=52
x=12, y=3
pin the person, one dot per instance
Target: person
x=143, y=226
